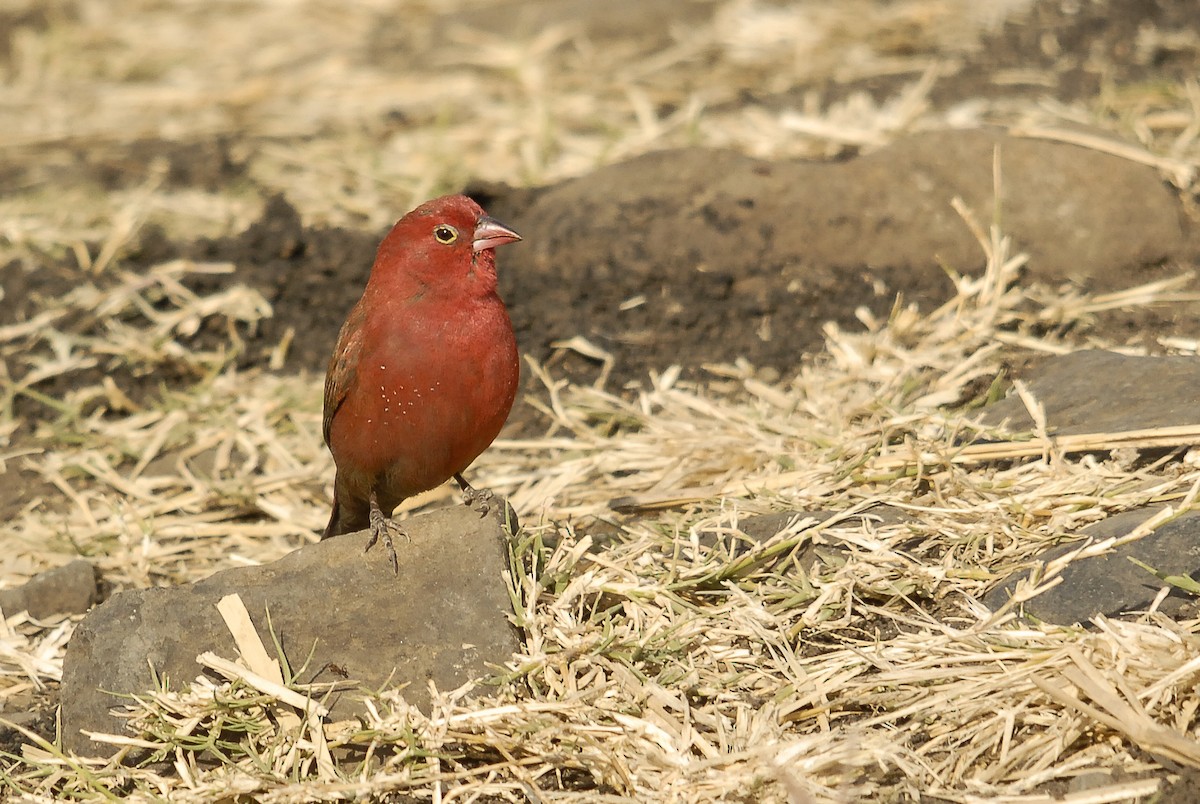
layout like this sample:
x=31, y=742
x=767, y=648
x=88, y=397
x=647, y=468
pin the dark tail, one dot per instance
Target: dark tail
x=346, y=519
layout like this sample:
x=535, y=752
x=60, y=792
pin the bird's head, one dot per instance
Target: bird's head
x=447, y=243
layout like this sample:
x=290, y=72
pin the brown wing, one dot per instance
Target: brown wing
x=343, y=366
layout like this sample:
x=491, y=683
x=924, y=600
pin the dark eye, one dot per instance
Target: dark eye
x=445, y=234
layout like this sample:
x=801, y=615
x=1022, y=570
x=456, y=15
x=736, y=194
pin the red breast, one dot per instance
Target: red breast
x=426, y=368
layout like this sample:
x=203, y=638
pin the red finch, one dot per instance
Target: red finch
x=425, y=369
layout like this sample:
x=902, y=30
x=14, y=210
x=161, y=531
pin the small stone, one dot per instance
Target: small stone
x=69, y=589
x=1095, y=391
x=1112, y=584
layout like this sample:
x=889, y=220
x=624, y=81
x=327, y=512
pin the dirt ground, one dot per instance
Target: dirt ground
x=312, y=273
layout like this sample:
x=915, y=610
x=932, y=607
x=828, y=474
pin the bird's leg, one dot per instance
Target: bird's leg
x=480, y=500
x=381, y=527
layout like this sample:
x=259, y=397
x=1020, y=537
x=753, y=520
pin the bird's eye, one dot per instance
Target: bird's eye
x=445, y=234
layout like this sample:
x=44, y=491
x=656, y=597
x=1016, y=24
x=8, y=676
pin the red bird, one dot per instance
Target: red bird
x=425, y=369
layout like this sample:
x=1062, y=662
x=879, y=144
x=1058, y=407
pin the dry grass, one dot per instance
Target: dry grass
x=686, y=661
x=359, y=116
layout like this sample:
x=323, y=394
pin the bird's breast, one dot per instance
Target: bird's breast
x=432, y=390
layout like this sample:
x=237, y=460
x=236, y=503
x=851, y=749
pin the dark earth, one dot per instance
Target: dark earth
x=714, y=271
x=720, y=276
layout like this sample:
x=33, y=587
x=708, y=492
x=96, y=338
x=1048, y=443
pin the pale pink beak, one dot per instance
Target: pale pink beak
x=490, y=233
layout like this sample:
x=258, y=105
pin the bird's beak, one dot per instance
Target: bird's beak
x=490, y=233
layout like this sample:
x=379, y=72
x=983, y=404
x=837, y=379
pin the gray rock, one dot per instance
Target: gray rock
x=758, y=529
x=1095, y=391
x=445, y=619
x=763, y=527
x=889, y=210
x=69, y=589
x=1112, y=584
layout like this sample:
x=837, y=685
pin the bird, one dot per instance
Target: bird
x=425, y=368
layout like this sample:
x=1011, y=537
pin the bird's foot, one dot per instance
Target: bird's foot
x=381, y=529
x=478, y=499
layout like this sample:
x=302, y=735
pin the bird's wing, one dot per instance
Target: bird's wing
x=343, y=366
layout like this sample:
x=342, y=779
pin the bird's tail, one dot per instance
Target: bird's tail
x=331, y=528
x=346, y=519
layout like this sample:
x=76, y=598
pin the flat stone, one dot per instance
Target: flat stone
x=761, y=528
x=1112, y=584
x=69, y=589
x=445, y=619
x=1095, y=391
x=764, y=526
x=890, y=209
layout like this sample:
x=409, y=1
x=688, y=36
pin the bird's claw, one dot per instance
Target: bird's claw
x=381, y=528
x=479, y=500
